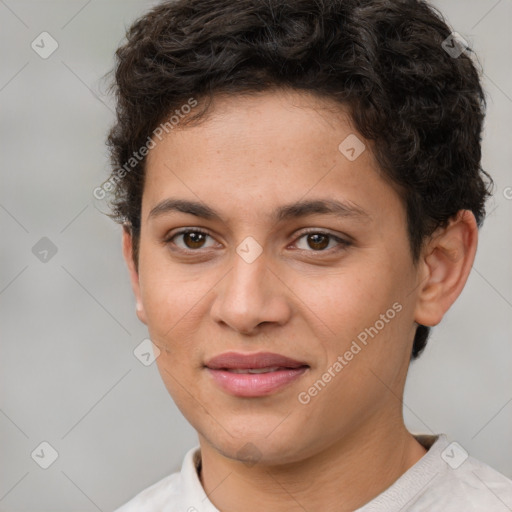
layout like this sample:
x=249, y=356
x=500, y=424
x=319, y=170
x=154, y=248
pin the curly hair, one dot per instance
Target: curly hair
x=384, y=60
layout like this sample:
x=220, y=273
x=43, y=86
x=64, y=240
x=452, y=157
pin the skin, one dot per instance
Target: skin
x=252, y=155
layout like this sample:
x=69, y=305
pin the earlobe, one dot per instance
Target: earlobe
x=445, y=266
x=134, y=274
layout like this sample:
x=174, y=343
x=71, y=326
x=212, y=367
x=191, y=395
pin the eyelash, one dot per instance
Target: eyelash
x=342, y=243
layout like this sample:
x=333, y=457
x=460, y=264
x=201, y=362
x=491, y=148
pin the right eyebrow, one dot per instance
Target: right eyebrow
x=184, y=206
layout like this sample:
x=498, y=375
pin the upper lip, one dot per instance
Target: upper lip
x=236, y=360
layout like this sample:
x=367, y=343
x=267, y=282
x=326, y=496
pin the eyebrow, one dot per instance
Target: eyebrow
x=295, y=210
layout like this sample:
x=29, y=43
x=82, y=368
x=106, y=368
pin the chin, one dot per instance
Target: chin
x=256, y=442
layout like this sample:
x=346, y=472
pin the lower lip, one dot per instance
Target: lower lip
x=255, y=384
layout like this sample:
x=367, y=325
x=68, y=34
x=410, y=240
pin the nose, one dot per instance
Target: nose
x=250, y=295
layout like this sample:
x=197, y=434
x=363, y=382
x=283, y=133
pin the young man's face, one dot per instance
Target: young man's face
x=307, y=296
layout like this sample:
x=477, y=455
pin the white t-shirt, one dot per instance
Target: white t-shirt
x=444, y=479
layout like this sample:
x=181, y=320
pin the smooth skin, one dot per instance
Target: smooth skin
x=306, y=296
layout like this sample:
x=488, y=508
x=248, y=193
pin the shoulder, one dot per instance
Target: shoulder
x=165, y=495
x=460, y=482
x=178, y=492
x=446, y=478
x=470, y=487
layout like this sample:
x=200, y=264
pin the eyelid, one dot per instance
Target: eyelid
x=183, y=231
x=342, y=241
x=321, y=231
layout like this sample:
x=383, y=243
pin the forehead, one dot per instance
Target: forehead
x=254, y=154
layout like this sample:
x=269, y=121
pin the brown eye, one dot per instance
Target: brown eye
x=194, y=239
x=318, y=241
x=190, y=240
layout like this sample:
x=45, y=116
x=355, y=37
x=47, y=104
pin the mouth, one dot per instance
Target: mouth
x=254, y=375
x=254, y=370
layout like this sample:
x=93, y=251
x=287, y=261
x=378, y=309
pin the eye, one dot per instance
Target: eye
x=191, y=239
x=320, y=241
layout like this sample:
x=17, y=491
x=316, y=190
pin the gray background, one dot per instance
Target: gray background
x=68, y=325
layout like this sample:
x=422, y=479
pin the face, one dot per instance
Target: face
x=294, y=246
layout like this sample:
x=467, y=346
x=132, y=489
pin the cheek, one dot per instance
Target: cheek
x=168, y=295
x=345, y=301
x=364, y=305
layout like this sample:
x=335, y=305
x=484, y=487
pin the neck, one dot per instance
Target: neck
x=342, y=477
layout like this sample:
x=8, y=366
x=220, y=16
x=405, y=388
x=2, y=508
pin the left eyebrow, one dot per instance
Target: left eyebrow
x=295, y=210
x=320, y=206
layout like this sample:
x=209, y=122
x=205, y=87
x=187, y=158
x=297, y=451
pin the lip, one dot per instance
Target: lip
x=253, y=385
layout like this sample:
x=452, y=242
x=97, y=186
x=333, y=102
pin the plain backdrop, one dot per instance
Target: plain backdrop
x=68, y=374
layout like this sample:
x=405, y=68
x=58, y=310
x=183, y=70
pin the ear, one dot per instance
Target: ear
x=134, y=275
x=445, y=265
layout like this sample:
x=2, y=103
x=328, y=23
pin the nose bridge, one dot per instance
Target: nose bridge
x=248, y=296
x=245, y=289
